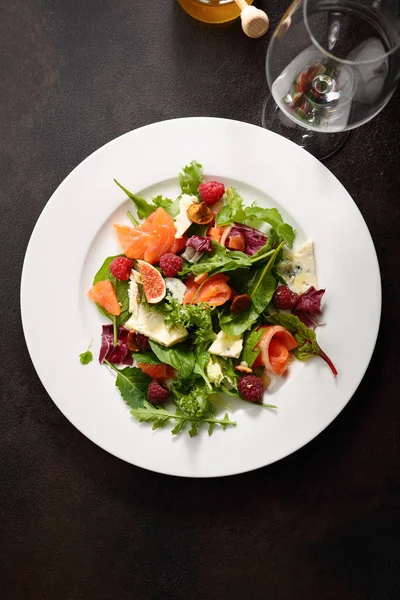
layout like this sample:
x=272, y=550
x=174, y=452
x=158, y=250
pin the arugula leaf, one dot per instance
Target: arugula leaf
x=190, y=178
x=160, y=416
x=121, y=289
x=148, y=357
x=273, y=217
x=220, y=261
x=170, y=206
x=133, y=384
x=196, y=316
x=251, y=340
x=144, y=209
x=305, y=338
x=179, y=356
x=86, y=357
x=232, y=210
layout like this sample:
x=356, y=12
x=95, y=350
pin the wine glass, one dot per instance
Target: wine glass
x=332, y=65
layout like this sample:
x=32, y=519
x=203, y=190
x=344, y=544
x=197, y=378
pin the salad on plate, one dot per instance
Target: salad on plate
x=208, y=299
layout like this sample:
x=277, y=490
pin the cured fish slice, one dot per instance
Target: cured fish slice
x=214, y=291
x=275, y=346
x=160, y=371
x=132, y=240
x=236, y=242
x=103, y=293
x=179, y=244
x=162, y=236
x=150, y=240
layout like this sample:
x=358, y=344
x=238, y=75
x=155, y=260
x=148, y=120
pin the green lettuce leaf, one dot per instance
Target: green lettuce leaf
x=190, y=178
x=191, y=396
x=146, y=357
x=220, y=261
x=195, y=317
x=180, y=356
x=260, y=287
x=233, y=209
x=170, y=206
x=132, y=383
x=251, y=340
x=273, y=217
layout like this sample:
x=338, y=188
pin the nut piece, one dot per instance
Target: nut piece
x=240, y=304
x=265, y=379
x=199, y=213
x=131, y=343
x=243, y=369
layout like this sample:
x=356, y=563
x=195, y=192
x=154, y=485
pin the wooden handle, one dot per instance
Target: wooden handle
x=241, y=4
x=254, y=21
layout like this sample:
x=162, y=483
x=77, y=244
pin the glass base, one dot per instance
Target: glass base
x=320, y=145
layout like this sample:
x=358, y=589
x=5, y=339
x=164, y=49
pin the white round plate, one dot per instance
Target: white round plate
x=74, y=234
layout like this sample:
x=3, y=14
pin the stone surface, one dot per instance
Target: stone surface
x=76, y=522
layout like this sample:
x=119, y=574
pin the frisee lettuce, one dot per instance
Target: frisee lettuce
x=197, y=318
x=190, y=178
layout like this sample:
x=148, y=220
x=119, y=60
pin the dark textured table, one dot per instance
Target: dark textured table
x=79, y=523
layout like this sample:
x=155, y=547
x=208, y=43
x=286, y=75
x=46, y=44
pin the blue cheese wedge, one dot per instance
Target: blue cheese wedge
x=176, y=288
x=298, y=268
x=229, y=346
x=182, y=221
x=150, y=322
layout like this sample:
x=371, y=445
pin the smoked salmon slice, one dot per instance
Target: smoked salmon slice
x=161, y=236
x=215, y=291
x=275, y=346
x=236, y=242
x=160, y=371
x=179, y=244
x=103, y=293
x=150, y=240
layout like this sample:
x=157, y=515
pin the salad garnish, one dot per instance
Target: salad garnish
x=207, y=299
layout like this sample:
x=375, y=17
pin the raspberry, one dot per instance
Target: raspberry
x=251, y=388
x=156, y=393
x=284, y=298
x=211, y=192
x=171, y=264
x=121, y=268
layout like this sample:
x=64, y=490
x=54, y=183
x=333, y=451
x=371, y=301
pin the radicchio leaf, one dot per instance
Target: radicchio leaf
x=308, y=306
x=117, y=355
x=200, y=243
x=253, y=238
